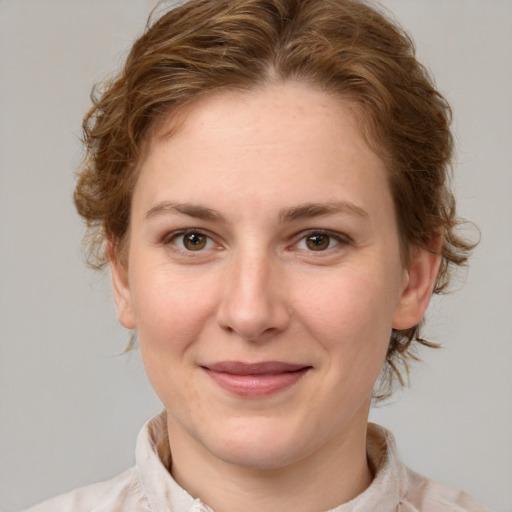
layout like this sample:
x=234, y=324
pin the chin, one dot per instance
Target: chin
x=257, y=444
x=256, y=457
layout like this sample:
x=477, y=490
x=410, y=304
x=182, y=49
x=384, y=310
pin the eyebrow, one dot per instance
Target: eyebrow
x=303, y=211
x=311, y=210
x=192, y=210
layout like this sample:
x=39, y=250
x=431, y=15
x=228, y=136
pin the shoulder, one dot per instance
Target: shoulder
x=426, y=495
x=120, y=493
x=404, y=489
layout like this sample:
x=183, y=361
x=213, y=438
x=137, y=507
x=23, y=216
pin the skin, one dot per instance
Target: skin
x=241, y=174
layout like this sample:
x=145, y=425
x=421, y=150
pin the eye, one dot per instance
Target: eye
x=319, y=241
x=191, y=241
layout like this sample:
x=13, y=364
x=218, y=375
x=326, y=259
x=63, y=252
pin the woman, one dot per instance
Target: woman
x=268, y=182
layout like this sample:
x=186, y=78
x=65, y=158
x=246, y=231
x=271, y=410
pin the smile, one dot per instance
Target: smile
x=255, y=380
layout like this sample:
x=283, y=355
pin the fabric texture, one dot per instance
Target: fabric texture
x=149, y=487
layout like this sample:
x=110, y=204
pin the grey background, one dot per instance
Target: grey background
x=71, y=406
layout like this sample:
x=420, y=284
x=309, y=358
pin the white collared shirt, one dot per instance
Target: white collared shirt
x=149, y=487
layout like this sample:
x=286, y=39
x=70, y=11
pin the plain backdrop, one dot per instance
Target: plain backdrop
x=71, y=405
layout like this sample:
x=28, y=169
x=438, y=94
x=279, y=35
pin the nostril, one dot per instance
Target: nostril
x=252, y=305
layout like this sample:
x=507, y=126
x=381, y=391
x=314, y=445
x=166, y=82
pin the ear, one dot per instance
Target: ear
x=121, y=289
x=420, y=278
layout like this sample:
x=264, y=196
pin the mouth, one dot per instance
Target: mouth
x=254, y=380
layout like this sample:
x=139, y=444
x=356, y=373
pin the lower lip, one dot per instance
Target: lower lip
x=255, y=386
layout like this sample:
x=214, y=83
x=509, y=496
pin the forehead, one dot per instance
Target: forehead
x=285, y=140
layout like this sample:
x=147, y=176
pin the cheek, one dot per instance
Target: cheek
x=352, y=305
x=170, y=314
x=171, y=310
x=351, y=317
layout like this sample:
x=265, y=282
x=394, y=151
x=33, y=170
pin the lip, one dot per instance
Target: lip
x=255, y=380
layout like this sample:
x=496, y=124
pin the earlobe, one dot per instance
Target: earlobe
x=121, y=290
x=419, y=284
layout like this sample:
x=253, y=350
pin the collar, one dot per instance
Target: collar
x=163, y=494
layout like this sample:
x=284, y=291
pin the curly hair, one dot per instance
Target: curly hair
x=348, y=48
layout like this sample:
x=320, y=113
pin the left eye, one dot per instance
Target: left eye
x=318, y=242
x=192, y=241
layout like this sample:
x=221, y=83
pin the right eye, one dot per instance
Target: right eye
x=190, y=241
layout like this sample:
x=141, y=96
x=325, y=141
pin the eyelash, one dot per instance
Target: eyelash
x=170, y=240
x=340, y=239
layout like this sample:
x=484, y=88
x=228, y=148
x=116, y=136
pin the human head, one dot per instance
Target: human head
x=347, y=48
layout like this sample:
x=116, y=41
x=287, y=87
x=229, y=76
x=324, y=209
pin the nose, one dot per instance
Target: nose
x=254, y=303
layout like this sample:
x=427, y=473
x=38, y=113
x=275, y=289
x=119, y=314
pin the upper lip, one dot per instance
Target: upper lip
x=263, y=368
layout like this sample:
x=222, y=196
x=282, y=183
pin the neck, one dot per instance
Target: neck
x=336, y=473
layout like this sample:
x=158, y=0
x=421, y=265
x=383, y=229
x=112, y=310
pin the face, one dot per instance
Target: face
x=264, y=275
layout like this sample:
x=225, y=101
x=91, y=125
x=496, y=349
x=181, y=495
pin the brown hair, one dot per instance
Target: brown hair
x=346, y=47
